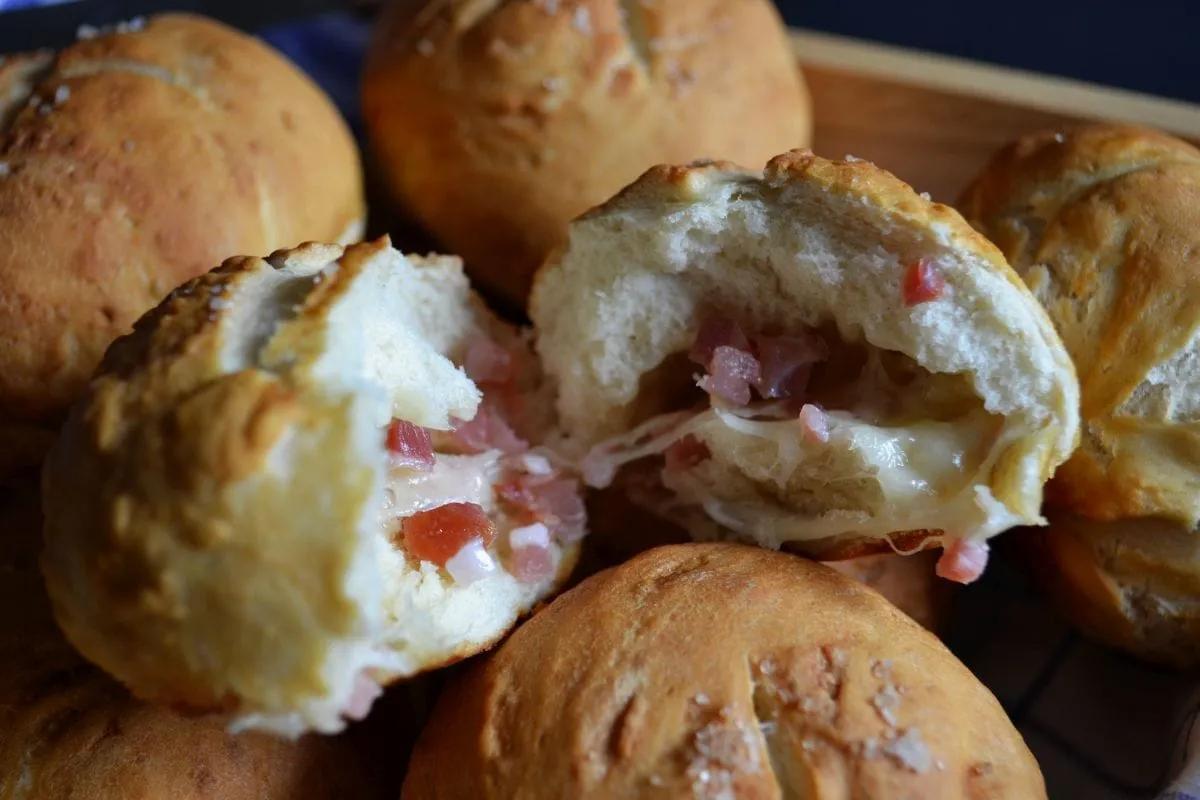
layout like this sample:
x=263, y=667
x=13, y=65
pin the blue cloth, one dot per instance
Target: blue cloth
x=330, y=48
x=13, y=5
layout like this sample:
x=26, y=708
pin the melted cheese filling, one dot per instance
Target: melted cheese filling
x=766, y=481
x=453, y=479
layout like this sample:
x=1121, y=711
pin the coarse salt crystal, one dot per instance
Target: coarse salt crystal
x=582, y=20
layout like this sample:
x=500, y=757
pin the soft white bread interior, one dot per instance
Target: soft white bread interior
x=945, y=417
x=219, y=530
x=717, y=671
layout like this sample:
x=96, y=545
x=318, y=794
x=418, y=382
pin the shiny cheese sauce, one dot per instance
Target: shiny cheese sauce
x=452, y=479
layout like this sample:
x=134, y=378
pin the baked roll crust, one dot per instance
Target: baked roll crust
x=1102, y=224
x=720, y=670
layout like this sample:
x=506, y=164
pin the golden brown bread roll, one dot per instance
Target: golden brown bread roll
x=130, y=162
x=68, y=731
x=720, y=671
x=1103, y=223
x=495, y=123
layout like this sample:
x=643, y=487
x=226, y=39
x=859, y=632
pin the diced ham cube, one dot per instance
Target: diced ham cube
x=962, y=561
x=786, y=364
x=717, y=332
x=555, y=502
x=923, y=282
x=486, y=362
x=531, y=564
x=686, y=452
x=488, y=430
x=437, y=534
x=409, y=445
x=731, y=372
x=814, y=424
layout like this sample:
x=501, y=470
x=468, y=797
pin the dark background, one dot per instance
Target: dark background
x=1150, y=45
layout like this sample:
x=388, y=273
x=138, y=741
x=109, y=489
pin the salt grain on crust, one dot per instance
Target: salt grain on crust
x=425, y=47
x=721, y=750
x=5, y=170
x=885, y=703
x=581, y=20
x=910, y=751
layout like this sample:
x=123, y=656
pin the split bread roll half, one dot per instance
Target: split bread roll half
x=301, y=478
x=714, y=671
x=131, y=161
x=69, y=731
x=495, y=123
x=1104, y=225
x=872, y=374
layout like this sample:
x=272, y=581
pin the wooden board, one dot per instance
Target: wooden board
x=934, y=120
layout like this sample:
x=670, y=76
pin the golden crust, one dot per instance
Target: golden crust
x=1133, y=583
x=720, y=670
x=91, y=236
x=1103, y=222
x=554, y=106
x=66, y=730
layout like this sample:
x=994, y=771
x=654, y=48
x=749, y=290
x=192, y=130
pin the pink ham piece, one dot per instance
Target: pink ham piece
x=553, y=501
x=686, y=452
x=962, y=561
x=531, y=564
x=717, y=332
x=923, y=282
x=487, y=362
x=409, y=445
x=362, y=697
x=488, y=430
x=814, y=424
x=786, y=363
x=730, y=375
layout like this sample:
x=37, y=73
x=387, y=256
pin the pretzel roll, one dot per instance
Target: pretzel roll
x=301, y=478
x=495, y=123
x=718, y=670
x=814, y=357
x=130, y=162
x=1103, y=223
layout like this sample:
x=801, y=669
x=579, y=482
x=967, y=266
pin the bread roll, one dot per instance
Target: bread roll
x=496, y=123
x=718, y=671
x=1104, y=225
x=907, y=389
x=67, y=731
x=267, y=503
x=131, y=162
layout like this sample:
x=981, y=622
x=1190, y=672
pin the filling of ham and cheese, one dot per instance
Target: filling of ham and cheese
x=477, y=499
x=775, y=446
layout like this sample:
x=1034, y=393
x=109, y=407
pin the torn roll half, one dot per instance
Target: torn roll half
x=813, y=357
x=301, y=478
